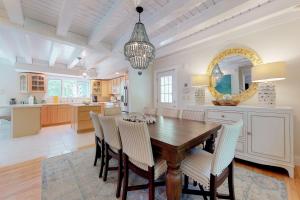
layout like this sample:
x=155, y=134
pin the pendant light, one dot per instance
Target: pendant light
x=138, y=50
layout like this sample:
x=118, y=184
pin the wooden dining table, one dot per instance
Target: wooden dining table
x=172, y=138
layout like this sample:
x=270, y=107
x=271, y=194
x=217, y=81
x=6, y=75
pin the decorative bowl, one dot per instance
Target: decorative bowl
x=225, y=102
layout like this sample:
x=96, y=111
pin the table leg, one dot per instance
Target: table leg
x=210, y=144
x=173, y=181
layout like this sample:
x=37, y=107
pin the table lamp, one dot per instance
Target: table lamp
x=265, y=75
x=200, y=82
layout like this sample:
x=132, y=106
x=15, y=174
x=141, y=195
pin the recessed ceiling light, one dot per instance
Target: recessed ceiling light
x=117, y=73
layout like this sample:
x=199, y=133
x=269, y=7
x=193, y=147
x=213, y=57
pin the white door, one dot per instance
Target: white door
x=166, y=89
x=268, y=135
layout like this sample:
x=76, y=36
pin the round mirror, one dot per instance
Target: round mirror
x=230, y=74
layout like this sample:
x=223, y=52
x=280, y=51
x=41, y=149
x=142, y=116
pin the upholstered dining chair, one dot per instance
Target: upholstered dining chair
x=112, y=111
x=138, y=157
x=150, y=111
x=113, y=148
x=211, y=170
x=99, y=140
x=169, y=112
x=192, y=115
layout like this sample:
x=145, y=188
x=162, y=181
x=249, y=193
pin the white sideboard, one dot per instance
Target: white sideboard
x=267, y=136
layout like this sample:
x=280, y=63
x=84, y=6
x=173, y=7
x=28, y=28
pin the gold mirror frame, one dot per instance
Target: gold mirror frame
x=248, y=53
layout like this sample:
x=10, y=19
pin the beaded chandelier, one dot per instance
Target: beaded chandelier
x=138, y=50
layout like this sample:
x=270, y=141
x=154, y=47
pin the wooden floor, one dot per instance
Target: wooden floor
x=23, y=181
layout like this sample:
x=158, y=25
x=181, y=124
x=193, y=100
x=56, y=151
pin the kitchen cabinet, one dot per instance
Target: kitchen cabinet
x=96, y=87
x=32, y=83
x=55, y=115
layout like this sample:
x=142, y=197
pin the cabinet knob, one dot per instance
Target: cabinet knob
x=222, y=116
x=249, y=133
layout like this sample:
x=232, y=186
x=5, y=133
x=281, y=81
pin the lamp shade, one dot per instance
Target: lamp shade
x=269, y=72
x=200, y=80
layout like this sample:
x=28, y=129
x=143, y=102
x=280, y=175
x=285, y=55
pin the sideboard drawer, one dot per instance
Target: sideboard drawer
x=224, y=115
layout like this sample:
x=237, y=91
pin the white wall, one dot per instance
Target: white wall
x=279, y=43
x=140, y=89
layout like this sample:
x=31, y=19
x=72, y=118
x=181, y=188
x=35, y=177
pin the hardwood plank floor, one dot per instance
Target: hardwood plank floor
x=23, y=181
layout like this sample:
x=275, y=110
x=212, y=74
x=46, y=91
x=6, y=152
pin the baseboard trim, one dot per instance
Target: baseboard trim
x=297, y=160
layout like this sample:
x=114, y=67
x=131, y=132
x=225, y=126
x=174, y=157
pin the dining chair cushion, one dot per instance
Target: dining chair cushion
x=160, y=166
x=97, y=125
x=111, y=132
x=192, y=115
x=226, y=146
x=197, y=166
x=113, y=111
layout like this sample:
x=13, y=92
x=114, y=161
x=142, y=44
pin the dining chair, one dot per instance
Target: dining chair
x=149, y=111
x=113, y=148
x=99, y=140
x=211, y=170
x=169, y=112
x=138, y=157
x=112, y=111
x=192, y=115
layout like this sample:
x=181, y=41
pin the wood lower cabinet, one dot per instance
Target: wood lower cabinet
x=81, y=121
x=55, y=115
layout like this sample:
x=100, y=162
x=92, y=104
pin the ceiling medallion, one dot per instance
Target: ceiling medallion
x=138, y=50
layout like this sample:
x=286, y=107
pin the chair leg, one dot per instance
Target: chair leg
x=120, y=174
x=186, y=182
x=125, y=179
x=97, y=152
x=106, y=163
x=151, y=183
x=102, y=164
x=194, y=183
x=202, y=190
x=213, y=188
x=231, y=182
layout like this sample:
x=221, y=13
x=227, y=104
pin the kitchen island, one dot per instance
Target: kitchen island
x=25, y=120
x=80, y=118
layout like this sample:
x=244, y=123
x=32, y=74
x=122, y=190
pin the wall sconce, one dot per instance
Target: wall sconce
x=265, y=75
x=200, y=82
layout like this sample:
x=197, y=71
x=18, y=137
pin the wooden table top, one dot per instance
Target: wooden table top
x=180, y=133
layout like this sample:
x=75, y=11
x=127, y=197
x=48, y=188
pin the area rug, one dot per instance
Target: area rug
x=72, y=176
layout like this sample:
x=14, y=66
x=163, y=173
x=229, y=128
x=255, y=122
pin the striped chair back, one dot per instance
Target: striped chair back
x=97, y=126
x=169, y=112
x=111, y=132
x=149, y=111
x=225, y=149
x=192, y=115
x=113, y=111
x=136, y=142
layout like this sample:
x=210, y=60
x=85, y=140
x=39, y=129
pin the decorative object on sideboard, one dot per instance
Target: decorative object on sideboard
x=138, y=50
x=230, y=73
x=265, y=75
x=139, y=117
x=200, y=82
x=227, y=100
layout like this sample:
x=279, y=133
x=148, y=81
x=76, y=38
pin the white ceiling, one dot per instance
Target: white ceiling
x=54, y=33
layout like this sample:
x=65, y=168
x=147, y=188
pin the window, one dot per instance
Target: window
x=83, y=89
x=165, y=83
x=54, y=87
x=69, y=88
x=166, y=89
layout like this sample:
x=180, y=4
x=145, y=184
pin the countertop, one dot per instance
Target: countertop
x=46, y=104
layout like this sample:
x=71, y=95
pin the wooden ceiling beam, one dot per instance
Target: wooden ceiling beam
x=163, y=16
x=110, y=21
x=54, y=53
x=66, y=16
x=14, y=11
